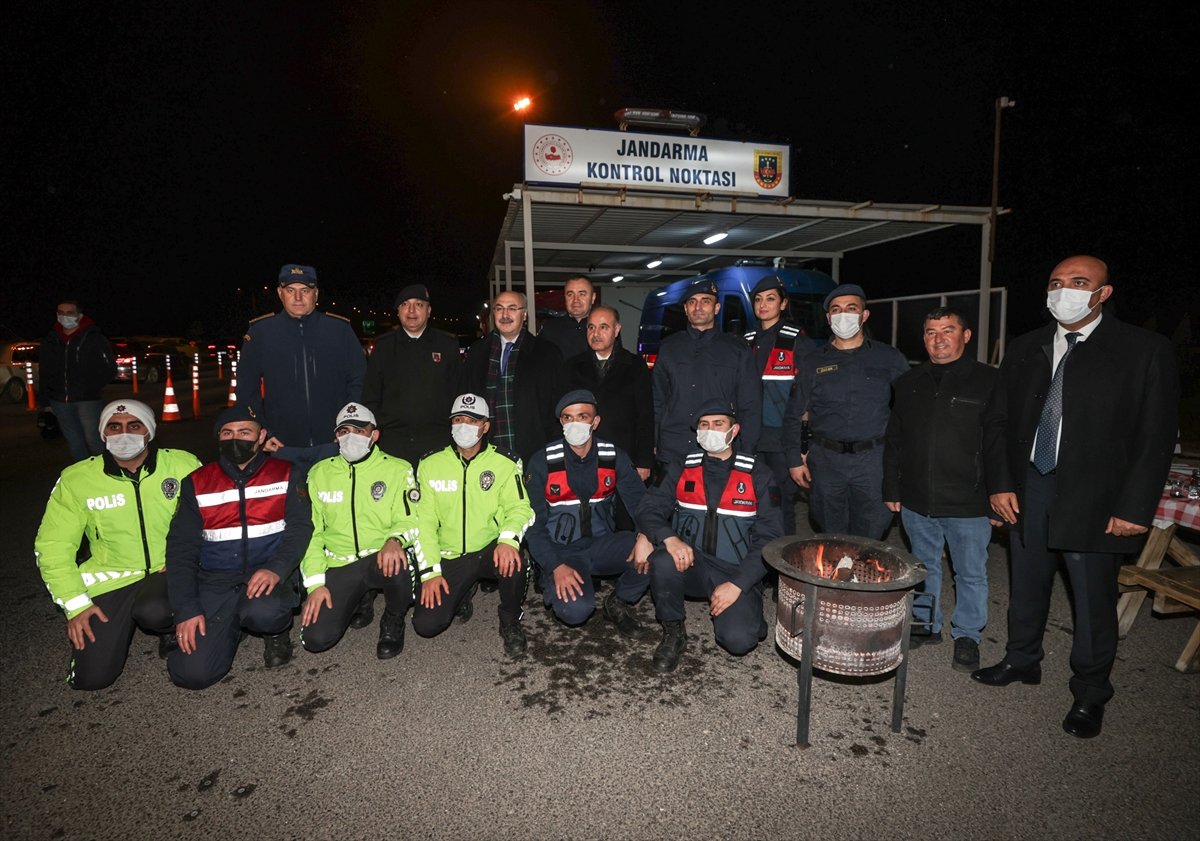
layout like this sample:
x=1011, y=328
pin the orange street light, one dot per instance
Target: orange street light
x=521, y=104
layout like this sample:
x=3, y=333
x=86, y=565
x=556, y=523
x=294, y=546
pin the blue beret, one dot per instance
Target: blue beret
x=701, y=287
x=771, y=281
x=716, y=406
x=845, y=289
x=579, y=395
x=234, y=414
x=291, y=273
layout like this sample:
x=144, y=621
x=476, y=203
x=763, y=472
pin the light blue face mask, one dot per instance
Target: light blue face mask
x=69, y=322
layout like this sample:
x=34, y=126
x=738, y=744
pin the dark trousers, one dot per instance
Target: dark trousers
x=787, y=488
x=847, y=492
x=347, y=585
x=738, y=628
x=461, y=574
x=227, y=611
x=143, y=604
x=1093, y=578
x=598, y=556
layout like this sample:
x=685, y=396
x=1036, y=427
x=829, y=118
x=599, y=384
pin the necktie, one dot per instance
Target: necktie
x=601, y=367
x=1045, y=453
x=504, y=357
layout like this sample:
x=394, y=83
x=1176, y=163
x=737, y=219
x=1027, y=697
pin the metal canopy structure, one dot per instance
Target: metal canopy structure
x=603, y=232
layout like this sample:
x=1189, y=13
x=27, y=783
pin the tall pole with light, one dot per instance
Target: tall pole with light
x=985, y=280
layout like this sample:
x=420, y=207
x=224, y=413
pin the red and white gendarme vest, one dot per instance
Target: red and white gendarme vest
x=725, y=533
x=568, y=520
x=234, y=542
x=779, y=373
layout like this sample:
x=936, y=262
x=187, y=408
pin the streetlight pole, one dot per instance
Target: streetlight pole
x=985, y=269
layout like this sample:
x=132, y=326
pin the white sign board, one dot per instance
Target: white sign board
x=562, y=155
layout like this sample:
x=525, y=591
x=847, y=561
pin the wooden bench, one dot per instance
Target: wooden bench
x=1175, y=591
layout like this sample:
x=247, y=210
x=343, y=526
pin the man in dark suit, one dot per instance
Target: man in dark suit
x=1079, y=435
x=515, y=371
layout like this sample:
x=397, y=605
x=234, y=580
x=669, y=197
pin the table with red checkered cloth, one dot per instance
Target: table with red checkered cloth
x=1180, y=512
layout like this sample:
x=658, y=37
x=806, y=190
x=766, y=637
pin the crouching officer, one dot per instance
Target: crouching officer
x=708, y=522
x=123, y=501
x=473, y=512
x=238, y=536
x=364, y=531
x=573, y=486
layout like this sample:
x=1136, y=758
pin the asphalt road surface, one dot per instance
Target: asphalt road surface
x=578, y=739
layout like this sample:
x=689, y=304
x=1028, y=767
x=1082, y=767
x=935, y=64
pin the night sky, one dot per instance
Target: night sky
x=161, y=155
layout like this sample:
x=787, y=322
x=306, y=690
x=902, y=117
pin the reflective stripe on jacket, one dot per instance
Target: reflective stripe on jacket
x=569, y=519
x=243, y=526
x=723, y=530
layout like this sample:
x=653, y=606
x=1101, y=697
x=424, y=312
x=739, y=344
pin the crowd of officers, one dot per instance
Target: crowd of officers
x=561, y=459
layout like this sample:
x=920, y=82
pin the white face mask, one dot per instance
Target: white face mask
x=577, y=433
x=712, y=440
x=125, y=446
x=354, y=447
x=845, y=325
x=69, y=322
x=465, y=435
x=1069, y=305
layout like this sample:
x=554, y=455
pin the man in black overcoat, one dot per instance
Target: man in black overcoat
x=1079, y=435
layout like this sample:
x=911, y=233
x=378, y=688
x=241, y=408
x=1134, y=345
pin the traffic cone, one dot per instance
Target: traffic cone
x=170, y=410
x=232, y=382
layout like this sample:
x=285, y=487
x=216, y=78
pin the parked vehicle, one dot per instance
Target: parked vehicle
x=151, y=361
x=662, y=313
x=13, y=357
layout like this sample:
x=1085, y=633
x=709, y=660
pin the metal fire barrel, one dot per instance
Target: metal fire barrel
x=858, y=624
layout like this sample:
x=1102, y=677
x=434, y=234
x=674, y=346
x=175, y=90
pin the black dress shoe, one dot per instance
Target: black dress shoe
x=1084, y=720
x=1002, y=674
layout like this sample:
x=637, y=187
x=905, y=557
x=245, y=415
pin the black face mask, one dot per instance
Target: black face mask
x=238, y=450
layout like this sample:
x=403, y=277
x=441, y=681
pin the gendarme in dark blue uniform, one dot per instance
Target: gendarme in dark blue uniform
x=847, y=395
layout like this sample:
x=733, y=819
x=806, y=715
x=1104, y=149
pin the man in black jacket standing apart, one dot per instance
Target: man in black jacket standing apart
x=76, y=362
x=699, y=365
x=1079, y=435
x=411, y=380
x=933, y=477
x=515, y=371
x=308, y=364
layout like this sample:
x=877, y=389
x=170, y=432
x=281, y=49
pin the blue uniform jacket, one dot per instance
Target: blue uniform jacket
x=847, y=394
x=776, y=393
x=581, y=477
x=310, y=366
x=693, y=367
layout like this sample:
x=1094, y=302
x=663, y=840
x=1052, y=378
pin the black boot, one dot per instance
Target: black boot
x=167, y=643
x=364, y=614
x=514, y=638
x=674, y=643
x=467, y=609
x=488, y=585
x=391, y=635
x=617, y=610
x=277, y=649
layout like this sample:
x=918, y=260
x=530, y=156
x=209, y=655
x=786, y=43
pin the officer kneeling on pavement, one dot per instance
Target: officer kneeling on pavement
x=473, y=512
x=232, y=552
x=123, y=501
x=708, y=522
x=573, y=486
x=364, y=512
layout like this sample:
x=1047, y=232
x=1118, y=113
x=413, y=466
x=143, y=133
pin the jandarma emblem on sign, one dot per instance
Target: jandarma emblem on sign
x=766, y=168
x=552, y=154
x=486, y=478
x=378, y=490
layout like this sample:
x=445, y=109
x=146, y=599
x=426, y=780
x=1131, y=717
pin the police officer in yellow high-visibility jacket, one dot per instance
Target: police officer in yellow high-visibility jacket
x=123, y=501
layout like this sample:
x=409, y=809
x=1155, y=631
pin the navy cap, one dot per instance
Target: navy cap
x=291, y=273
x=845, y=289
x=716, y=406
x=771, y=281
x=701, y=287
x=235, y=413
x=579, y=395
x=413, y=290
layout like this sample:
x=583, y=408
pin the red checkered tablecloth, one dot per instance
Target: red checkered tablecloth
x=1181, y=512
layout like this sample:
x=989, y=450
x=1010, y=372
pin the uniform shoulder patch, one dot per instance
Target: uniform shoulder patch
x=261, y=317
x=335, y=315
